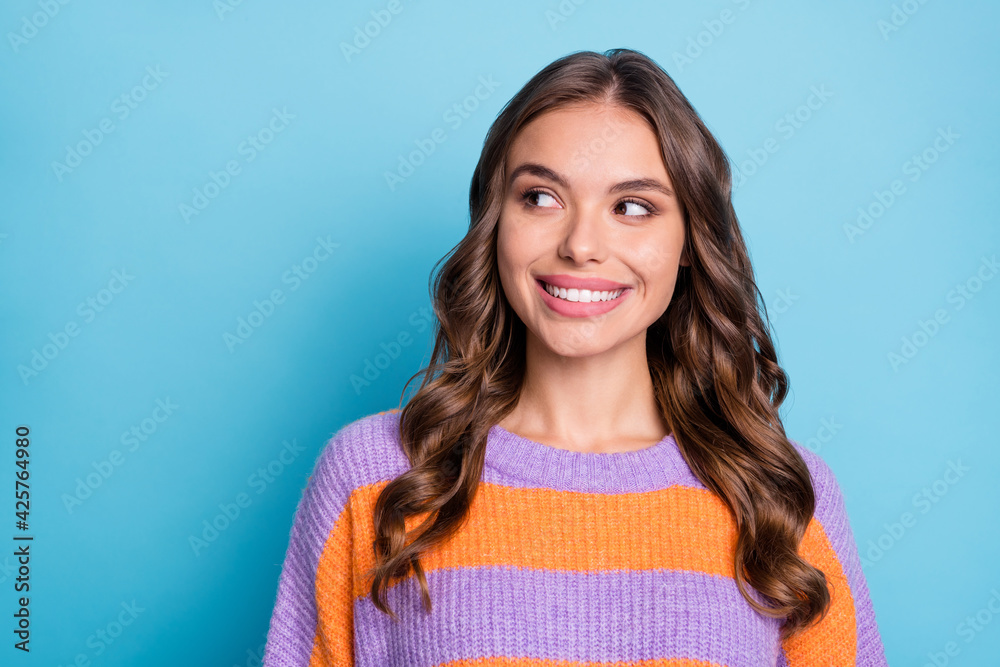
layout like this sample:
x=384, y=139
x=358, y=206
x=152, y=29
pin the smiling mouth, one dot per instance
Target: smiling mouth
x=581, y=295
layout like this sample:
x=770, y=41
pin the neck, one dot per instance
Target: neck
x=594, y=403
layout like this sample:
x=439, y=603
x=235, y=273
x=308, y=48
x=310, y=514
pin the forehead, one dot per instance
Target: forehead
x=590, y=140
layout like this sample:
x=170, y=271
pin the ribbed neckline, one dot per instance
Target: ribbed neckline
x=537, y=464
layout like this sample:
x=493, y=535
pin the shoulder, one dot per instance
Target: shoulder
x=832, y=548
x=830, y=509
x=362, y=452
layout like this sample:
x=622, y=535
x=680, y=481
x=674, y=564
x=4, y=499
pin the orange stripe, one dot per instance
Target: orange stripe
x=334, y=640
x=835, y=637
x=678, y=528
x=541, y=662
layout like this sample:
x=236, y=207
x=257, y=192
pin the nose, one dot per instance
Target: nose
x=584, y=236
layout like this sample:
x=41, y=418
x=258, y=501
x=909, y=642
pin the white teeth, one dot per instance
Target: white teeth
x=581, y=295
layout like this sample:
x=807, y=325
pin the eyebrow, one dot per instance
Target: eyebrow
x=541, y=171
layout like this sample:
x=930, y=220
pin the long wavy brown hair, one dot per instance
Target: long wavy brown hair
x=713, y=364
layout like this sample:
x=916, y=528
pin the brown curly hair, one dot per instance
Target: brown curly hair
x=713, y=364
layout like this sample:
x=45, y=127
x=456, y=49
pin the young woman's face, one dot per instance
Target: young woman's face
x=588, y=210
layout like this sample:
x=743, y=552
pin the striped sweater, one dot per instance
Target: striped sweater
x=568, y=559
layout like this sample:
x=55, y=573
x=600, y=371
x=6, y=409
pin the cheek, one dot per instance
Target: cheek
x=514, y=247
x=508, y=261
x=657, y=263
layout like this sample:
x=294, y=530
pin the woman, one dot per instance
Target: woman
x=593, y=469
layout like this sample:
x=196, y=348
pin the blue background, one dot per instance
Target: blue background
x=841, y=302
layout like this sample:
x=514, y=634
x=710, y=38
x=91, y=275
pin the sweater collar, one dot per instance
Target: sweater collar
x=515, y=460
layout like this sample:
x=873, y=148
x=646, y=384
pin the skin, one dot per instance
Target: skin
x=587, y=386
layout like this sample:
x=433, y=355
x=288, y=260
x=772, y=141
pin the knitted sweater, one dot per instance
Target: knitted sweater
x=568, y=559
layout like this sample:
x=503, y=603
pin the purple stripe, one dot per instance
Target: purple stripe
x=614, y=616
x=514, y=460
x=831, y=513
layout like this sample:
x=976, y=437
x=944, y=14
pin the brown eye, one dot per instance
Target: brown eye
x=539, y=199
x=622, y=208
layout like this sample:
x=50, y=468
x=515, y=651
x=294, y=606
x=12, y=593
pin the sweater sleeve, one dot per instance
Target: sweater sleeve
x=848, y=635
x=312, y=620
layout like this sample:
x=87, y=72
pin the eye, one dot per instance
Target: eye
x=623, y=208
x=541, y=197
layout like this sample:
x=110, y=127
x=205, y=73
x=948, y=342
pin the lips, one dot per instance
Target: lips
x=572, y=282
x=576, y=308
